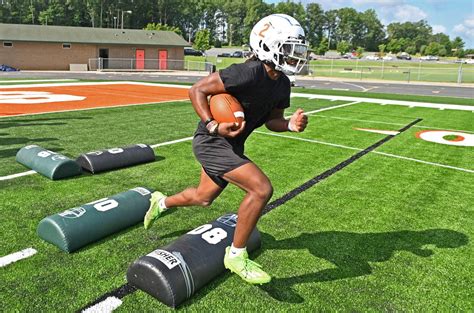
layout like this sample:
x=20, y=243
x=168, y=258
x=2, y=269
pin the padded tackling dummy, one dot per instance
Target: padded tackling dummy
x=109, y=159
x=47, y=163
x=79, y=226
x=175, y=272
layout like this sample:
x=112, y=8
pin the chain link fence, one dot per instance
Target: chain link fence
x=392, y=70
x=124, y=64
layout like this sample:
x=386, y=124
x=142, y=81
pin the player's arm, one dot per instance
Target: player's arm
x=276, y=121
x=208, y=86
x=198, y=93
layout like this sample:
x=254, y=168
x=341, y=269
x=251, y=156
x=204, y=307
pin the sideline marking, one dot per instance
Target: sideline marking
x=17, y=256
x=376, y=152
x=118, y=294
x=171, y=142
x=17, y=175
x=282, y=200
x=37, y=80
x=108, y=305
x=388, y=102
x=390, y=123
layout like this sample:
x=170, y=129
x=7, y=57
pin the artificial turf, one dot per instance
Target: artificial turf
x=382, y=234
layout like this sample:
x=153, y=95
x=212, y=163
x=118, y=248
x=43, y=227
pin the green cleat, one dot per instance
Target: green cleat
x=154, y=211
x=247, y=269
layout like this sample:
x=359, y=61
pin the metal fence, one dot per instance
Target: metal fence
x=124, y=64
x=393, y=70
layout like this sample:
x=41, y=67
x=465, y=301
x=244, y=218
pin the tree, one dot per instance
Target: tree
x=202, y=40
x=394, y=46
x=360, y=52
x=343, y=47
x=382, y=49
x=457, y=43
x=323, y=47
x=314, y=24
x=416, y=33
x=158, y=26
x=373, y=32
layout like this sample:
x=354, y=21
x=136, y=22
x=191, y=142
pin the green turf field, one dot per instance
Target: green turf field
x=364, y=69
x=385, y=233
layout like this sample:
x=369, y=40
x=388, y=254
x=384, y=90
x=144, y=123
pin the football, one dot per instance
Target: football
x=225, y=108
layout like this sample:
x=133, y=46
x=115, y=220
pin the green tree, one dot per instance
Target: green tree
x=323, y=47
x=202, y=40
x=343, y=47
x=394, y=46
x=360, y=52
x=373, y=32
x=417, y=33
x=432, y=48
x=457, y=43
x=382, y=49
x=158, y=26
x=314, y=25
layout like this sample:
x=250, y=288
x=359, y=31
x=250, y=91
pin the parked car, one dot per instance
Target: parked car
x=191, y=51
x=429, y=58
x=462, y=61
x=224, y=55
x=349, y=56
x=470, y=61
x=404, y=56
x=387, y=58
x=237, y=54
x=372, y=57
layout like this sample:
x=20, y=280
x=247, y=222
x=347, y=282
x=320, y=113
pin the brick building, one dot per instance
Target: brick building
x=37, y=47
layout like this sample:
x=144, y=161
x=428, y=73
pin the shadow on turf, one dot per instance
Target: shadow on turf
x=351, y=254
x=38, y=121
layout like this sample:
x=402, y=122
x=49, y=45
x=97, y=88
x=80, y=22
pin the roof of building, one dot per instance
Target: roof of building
x=41, y=33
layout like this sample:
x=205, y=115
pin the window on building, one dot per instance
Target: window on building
x=8, y=44
x=66, y=46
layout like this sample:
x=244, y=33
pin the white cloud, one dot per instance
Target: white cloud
x=466, y=28
x=461, y=29
x=377, y=2
x=439, y=29
x=409, y=13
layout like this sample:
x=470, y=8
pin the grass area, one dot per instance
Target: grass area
x=382, y=234
x=363, y=69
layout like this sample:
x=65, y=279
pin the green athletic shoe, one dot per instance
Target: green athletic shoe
x=154, y=211
x=247, y=269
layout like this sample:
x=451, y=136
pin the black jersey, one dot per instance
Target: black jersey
x=258, y=94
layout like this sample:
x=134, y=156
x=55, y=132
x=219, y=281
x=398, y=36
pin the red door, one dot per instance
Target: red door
x=140, y=59
x=163, y=59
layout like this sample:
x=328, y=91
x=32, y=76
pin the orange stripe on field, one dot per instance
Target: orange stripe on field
x=96, y=96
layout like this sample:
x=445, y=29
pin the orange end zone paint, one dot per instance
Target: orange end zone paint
x=96, y=96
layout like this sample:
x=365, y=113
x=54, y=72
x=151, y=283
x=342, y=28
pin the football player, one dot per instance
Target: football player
x=263, y=89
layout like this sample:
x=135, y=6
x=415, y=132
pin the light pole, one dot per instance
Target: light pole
x=115, y=22
x=122, y=15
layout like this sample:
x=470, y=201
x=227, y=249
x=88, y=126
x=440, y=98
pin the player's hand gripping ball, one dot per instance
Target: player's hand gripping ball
x=226, y=109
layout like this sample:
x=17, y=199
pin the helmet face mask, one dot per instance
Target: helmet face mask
x=279, y=39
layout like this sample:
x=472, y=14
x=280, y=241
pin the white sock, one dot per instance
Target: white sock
x=235, y=252
x=162, y=204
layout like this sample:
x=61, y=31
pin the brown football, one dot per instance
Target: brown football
x=225, y=108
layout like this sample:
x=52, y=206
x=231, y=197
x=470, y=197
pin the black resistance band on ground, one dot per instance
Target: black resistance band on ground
x=126, y=289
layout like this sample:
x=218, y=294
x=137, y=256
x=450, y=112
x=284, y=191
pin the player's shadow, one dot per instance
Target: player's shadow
x=351, y=254
x=20, y=142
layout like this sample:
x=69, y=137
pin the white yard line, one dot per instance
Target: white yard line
x=126, y=82
x=325, y=109
x=440, y=106
x=376, y=152
x=389, y=123
x=17, y=175
x=37, y=80
x=17, y=256
x=171, y=142
x=108, y=305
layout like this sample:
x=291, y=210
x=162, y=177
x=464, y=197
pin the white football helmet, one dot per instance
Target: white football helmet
x=279, y=39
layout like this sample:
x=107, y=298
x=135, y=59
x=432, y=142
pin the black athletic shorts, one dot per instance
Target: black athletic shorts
x=217, y=156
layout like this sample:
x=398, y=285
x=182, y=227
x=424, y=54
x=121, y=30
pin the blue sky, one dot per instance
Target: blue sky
x=452, y=17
